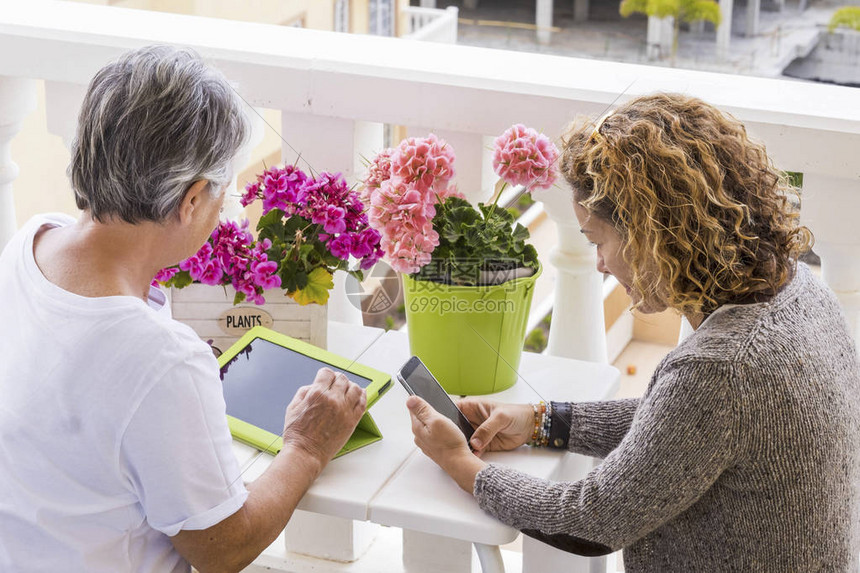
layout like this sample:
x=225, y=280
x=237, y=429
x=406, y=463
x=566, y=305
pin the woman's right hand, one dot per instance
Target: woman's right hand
x=499, y=426
x=322, y=416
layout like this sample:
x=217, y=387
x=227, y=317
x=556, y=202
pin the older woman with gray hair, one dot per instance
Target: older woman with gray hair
x=114, y=449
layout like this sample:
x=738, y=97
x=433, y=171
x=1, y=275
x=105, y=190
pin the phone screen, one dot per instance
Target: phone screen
x=419, y=381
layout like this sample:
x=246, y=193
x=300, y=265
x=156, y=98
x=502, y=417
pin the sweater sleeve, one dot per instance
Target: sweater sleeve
x=681, y=439
x=592, y=428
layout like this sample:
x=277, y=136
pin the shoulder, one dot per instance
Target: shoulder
x=26, y=232
x=148, y=346
x=162, y=336
x=804, y=308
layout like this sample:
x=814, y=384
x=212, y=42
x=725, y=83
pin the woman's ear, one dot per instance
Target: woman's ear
x=192, y=201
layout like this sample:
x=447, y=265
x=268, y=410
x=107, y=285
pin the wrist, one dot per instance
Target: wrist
x=312, y=463
x=464, y=469
x=542, y=427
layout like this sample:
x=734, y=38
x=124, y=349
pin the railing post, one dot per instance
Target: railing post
x=577, y=318
x=452, y=13
x=334, y=145
x=829, y=206
x=724, y=30
x=17, y=99
x=543, y=20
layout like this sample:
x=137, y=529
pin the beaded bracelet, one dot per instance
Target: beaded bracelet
x=543, y=424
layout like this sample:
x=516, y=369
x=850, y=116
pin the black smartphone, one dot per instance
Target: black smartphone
x=418, y=381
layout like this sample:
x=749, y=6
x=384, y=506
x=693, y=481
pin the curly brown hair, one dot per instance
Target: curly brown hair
x=704, y=217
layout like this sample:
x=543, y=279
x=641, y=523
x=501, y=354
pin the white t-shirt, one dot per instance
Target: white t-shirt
x=113, y=434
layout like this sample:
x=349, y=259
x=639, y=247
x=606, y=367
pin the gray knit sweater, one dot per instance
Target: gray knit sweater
x=743, y=455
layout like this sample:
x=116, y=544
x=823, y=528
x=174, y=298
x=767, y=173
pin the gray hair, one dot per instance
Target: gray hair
x=153, y=123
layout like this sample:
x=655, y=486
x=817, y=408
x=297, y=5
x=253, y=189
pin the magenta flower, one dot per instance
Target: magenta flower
x=282, y=188
x=332, y=218
x=365, y=243
x=522, y=156
x=196, y=264
x=341, y=246
x=211, y=274
x=165, y=275
x=252, y=192
x=264, y=274
x=318, y=214
x=370, y=260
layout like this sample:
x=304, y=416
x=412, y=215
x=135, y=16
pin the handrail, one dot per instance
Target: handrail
x=68, y=42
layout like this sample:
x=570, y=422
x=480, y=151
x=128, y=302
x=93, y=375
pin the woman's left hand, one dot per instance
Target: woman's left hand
x=443, y=442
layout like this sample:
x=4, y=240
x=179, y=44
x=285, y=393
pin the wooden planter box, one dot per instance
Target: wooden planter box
x=210, y=312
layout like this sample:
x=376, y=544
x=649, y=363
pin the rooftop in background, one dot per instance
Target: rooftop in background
x=783, y=35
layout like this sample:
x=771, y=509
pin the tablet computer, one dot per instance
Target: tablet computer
x=261, y=373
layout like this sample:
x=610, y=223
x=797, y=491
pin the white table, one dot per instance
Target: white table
x=392, y=483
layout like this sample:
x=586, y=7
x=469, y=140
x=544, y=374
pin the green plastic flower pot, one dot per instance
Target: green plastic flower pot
x=470, y=338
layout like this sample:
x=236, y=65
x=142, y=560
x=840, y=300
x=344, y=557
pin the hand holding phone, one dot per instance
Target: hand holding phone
x=418, y=381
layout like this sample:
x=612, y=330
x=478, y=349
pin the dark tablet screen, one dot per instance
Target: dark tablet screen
x=262, y=379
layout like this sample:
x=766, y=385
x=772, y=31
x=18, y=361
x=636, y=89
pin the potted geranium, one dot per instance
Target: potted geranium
x=469, y=273
x=310, y=228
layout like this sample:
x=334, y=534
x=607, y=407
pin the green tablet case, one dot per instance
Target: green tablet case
x=365, y=433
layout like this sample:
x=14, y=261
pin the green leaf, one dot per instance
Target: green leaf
x=319, y=284
x=180, y=280
x=520, y=234
x=240, y=296
x=271, y=226
x=530, y=257
x=301, y=278
x=288, y=272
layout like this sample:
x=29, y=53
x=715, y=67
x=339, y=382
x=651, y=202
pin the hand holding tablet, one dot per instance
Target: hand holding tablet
x=322, y=416
x=265, y=370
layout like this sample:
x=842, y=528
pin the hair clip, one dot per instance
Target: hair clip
x=600, y=122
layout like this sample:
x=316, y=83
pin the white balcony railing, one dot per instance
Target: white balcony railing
x=431, y=24
x=334, y=92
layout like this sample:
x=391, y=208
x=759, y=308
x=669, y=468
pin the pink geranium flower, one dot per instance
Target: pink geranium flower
x=378, y=171
x=424, y=162
x=522, y=156
x=408, y=185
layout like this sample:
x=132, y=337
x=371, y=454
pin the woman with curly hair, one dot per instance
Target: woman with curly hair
x=744, y=452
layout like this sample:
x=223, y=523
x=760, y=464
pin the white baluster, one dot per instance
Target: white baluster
x=334, y=145
x=577, y=318
x=543, y=20
x=724, y=30
x=753, y=15
x=17, y=99
x=233, y=209
x=828, y=209
x=62, y=106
